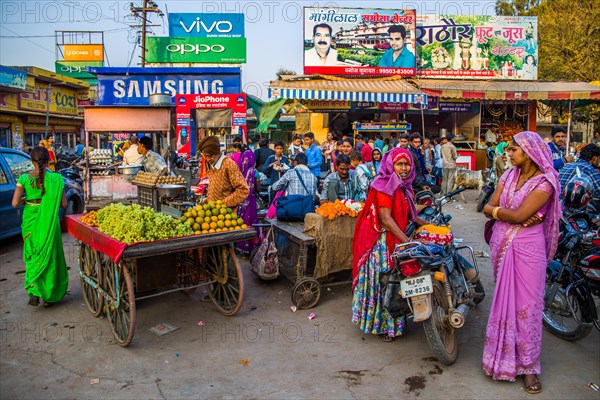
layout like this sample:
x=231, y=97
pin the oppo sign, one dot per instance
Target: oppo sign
x=184, y=48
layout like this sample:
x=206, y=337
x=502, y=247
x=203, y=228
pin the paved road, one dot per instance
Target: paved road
x=265, y=351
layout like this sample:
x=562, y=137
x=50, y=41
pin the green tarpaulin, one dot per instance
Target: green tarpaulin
x=264, y=111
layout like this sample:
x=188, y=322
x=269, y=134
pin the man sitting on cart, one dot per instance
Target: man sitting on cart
x=343, y=184
x=152, y=161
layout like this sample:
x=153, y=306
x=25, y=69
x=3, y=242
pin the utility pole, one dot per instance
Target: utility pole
x=47, y=110
x=148, y=6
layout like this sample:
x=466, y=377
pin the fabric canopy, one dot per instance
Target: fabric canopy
x=508, y=90
x=319, y=87
x=264, y=111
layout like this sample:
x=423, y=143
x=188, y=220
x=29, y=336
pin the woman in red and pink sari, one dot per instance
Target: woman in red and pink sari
x=525, y=236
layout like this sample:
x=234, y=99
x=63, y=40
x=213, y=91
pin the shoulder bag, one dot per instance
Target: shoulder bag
x=295, y=207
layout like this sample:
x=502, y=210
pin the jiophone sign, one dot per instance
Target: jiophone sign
x=459, y=46
x=186, y=136
x=195, y=50
x=83, y=52
x=207, y=25
x=357, y=41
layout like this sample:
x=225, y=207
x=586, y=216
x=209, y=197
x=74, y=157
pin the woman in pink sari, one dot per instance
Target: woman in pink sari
x=525, y=235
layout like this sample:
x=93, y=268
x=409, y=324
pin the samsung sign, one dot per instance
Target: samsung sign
x=131, y=87
x=206, y=25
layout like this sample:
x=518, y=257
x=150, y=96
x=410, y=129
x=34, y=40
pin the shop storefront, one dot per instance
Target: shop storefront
x=47, y=103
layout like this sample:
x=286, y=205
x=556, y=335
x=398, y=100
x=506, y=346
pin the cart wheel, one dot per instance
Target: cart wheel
x=90, y=276
x=188, y=269
x=306, y=293
x=222, y=266
x=120, y=301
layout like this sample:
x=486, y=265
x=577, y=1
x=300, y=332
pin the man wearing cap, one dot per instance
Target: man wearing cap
x=226, y=182
x=557, y=147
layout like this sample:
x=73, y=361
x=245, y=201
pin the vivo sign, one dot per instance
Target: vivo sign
x=206, y=25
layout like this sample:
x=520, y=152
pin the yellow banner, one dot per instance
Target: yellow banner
x=83, y=52
x=62, y=100
x=8, y=101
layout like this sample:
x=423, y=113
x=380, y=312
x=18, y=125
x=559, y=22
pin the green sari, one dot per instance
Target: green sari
x=46, y=273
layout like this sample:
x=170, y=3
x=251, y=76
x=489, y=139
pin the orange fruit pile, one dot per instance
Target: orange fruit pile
x=212, y=217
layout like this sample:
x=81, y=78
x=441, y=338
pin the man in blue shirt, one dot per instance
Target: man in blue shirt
x=397, y=56
x=559, y=137
x=589, y=157
x=313, y=153
x=79, y=149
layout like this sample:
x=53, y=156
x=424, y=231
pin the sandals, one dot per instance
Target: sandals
x=46, y=304
x=533, y=388
x=33, y=300
x=385, y=338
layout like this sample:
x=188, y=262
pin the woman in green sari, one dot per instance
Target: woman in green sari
x=42, y=192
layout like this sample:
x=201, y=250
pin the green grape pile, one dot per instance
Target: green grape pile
x=133, y=224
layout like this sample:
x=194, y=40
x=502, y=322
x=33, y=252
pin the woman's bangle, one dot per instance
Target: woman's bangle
x=495, y=212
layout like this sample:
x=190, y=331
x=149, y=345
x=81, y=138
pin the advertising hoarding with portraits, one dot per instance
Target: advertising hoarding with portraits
x=357, y=41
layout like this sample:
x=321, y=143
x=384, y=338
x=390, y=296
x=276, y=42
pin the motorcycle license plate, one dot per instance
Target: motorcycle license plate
x=415, y=286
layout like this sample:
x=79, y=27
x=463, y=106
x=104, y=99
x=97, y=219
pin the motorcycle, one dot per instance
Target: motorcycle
x=429, y=283
x=573, y=279
x=486, y=192
x=71, y=172
x=490, y=184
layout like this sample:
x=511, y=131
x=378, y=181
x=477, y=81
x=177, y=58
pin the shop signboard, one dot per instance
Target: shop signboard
x=77, y=69
x=9, y=101
x=132, y=86
x=459, y=106
x=185, y=103
x=208, y=25
x=490, y=47
x=195, y=50
x=13, y=78
x=83, y=52
x=382, y=126
x=359, y=41
x=61, y=100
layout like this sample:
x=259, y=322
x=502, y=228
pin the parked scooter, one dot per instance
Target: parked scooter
x=434, y=285
x=573, y=279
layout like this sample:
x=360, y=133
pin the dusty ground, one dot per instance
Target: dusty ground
x=265, y=351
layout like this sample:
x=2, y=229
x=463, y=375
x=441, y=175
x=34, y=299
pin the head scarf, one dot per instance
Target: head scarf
x=500, y=148
x=539, y=152
x=376, y=164
x=210, y=146
x=388, y=181
x=246, y=163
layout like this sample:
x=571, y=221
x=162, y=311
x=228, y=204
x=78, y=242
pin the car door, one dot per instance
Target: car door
x=12, y=165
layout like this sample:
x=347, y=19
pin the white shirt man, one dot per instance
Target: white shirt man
x=321, y=54
x=131, y=156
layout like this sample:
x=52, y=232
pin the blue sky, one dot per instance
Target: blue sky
x=274, y=29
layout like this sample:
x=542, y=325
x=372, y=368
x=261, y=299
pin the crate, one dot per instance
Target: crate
x=148, y=197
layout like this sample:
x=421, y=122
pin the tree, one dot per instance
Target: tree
x=284, y=71
x=515, y=7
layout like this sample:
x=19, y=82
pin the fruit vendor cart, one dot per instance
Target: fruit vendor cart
x=115, y=275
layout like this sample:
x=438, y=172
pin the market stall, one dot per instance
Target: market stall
x=114, y=275
x=107, y=181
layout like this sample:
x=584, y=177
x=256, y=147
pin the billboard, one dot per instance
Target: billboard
x=83, y=52
x=195, y=50
x=206, y=25
x=62, y=100
x=236, y=125
x=13, y=78
x=132, y=86
x=357, y=41
x=493, y=47
x=77, y=69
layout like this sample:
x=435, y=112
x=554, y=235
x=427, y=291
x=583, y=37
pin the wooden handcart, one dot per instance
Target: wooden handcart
x=114, y=275
x=303, y=258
